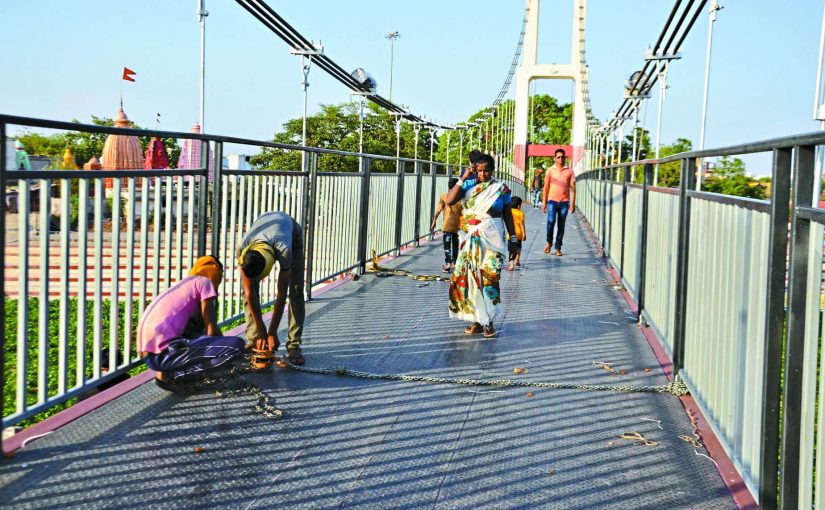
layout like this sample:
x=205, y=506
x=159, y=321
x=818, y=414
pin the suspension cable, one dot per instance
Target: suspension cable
x=277, y=24
x=649, y=74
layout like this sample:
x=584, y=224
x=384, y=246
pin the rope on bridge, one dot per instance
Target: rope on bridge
x=381, y=271
x=675, y=387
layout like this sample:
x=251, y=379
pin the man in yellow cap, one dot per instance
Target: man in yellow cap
x=178, y=334
x=274, y=237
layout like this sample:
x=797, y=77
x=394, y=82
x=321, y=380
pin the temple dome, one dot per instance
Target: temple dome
x=68, y=162
x=190, y=154
x=122, y=152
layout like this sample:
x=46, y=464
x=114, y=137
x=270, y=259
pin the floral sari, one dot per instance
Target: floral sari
x=474, y=287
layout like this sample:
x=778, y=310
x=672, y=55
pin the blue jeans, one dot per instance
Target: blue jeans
x=450, y=247
x=186, y=357
x=537, y=198
x=556, y=211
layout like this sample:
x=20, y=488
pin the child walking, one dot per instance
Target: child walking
x=449, y=226
x=518, y=222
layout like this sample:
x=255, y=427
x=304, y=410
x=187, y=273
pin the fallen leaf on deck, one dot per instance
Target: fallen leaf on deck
x=529, y=394
x=621, y=372
x=551, y=472
x=648, y=369
x=386, y=337
x=519, y=370
x=281, y=364
x=198, y=450
x=611, y=443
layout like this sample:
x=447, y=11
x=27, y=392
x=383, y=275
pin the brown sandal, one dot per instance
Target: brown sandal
x=489, y=331
x=474, y=329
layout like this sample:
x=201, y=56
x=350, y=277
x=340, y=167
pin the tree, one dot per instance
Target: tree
x=644, y=149
x=670, y=173
x=337, y=127
x=729, y=178
x=552, y=122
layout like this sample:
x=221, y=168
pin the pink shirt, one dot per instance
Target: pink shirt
x=557, y=183
x=167, y=316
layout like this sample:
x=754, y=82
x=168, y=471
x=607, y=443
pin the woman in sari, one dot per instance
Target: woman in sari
x=475, y=295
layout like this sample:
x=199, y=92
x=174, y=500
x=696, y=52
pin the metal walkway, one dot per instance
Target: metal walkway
x=372, y=444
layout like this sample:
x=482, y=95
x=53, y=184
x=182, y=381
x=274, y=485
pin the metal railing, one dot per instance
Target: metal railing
x=86, y=251
x=708, y=273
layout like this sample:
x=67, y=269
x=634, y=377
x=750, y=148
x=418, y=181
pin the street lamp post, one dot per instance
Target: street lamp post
x=392, y=36
x=202, y=14
x=714, y=8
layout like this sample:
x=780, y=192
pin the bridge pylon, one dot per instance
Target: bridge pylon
x=530, y=70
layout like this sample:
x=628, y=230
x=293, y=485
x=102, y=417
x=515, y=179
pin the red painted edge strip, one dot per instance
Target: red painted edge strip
x=724, y=465
x=69, y=415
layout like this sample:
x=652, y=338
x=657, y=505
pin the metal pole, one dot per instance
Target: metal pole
x=448, y=151
x=661, y=67
x=392, y=36
x=361, y=126
x=306, y=63
x=714, y=7
x=398, y=137
x=202, y=14
x=460, y=149
x=819, y=114
x=392, y=58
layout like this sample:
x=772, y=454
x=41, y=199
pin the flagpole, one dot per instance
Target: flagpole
x=202, y=14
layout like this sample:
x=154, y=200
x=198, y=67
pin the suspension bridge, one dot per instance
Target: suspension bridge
x=670, y=359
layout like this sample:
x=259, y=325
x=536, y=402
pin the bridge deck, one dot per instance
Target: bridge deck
x=375, y=444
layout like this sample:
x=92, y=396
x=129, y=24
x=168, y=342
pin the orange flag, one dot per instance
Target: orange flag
x=127, y=74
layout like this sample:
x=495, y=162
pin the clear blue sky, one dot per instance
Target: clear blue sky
x=66, y=58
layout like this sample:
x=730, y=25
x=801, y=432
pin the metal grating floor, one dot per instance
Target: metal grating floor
x=350, y=443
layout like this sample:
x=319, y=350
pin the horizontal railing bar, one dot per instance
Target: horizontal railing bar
x=336, y=274
x=811, y=214
x=336, y=174
x=666, y=191
x=786, y=142
x=90, y=128
x=744, y=202
x=63, y=397
x=100, y=174
x=265, y=173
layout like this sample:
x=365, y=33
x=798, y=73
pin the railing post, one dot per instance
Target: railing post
x=434, y=172
x=603, y=207
x=647, y=180
x=625, y=176
x=774, y=326
x=687, y=183
x=3, y=169
x=417, y=227
x=399, y=205
x=202, y=197
x=311, y=196
x=802, y=181
x=365, y=211
x=217, y=184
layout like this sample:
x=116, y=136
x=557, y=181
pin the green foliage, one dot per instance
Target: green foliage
x=38, y=144
x=552, y=122
x=669, y=173
x=644, y=148
x=337, y=127
x=31, y=348
x=729, y=178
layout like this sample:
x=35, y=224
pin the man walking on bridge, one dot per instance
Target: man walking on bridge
x=274, y=237
x=558, y=198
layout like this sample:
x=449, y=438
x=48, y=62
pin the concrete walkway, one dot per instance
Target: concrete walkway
x=358, y=443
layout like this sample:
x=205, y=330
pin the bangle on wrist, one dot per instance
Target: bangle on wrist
x=460, y=182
